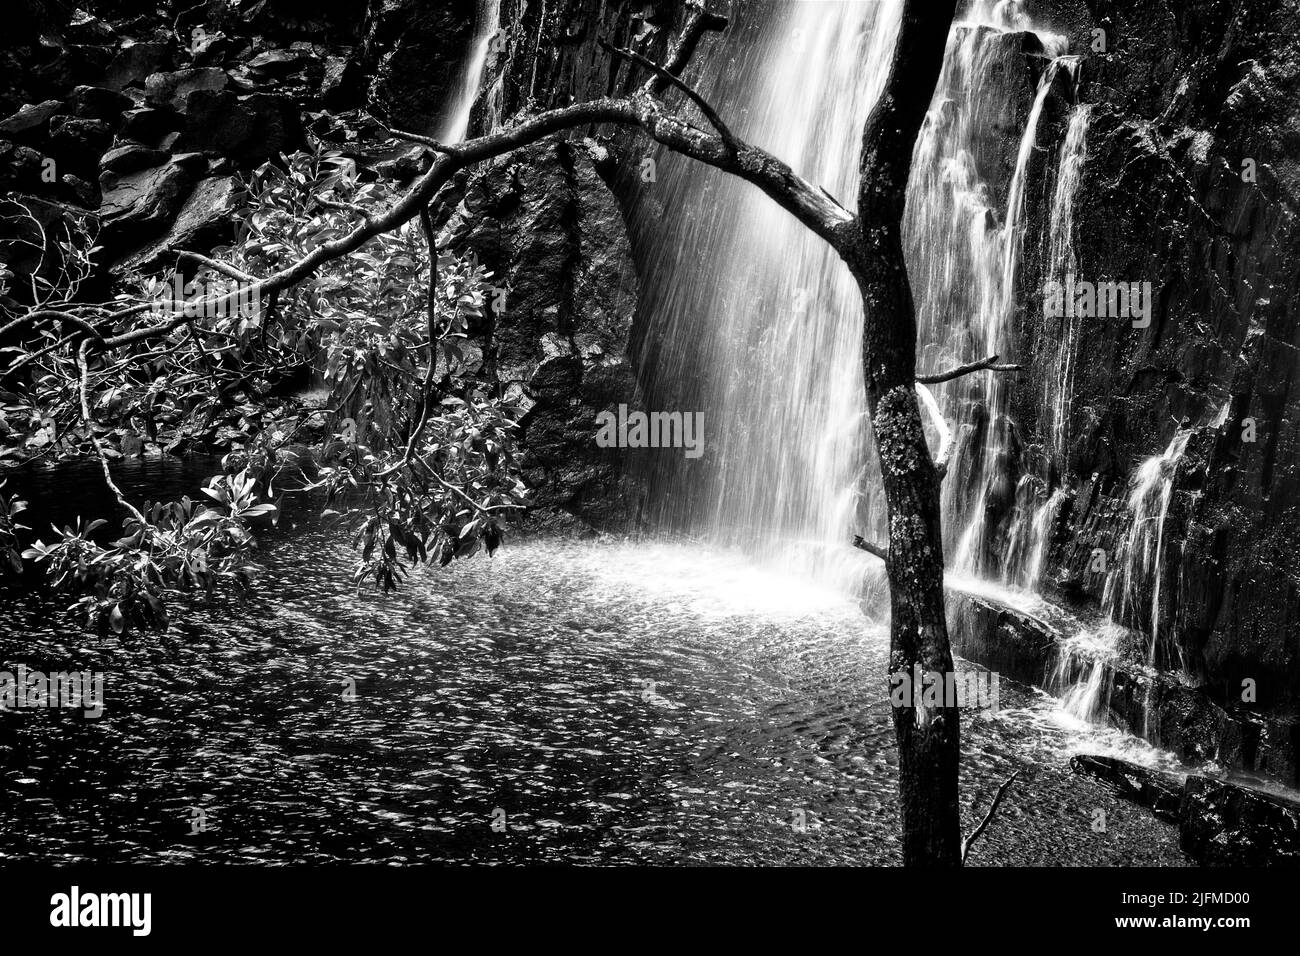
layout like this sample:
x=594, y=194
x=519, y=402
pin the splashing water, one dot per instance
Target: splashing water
x=761, y=330
x=1142, y=549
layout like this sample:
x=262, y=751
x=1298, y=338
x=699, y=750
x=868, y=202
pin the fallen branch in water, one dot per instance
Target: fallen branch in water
x=967, y=843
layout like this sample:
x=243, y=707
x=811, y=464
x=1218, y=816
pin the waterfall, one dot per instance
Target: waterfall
x=485, y=28
x=965, y=249
x=1062, y=262
x=755, y=321
x=1140, y=557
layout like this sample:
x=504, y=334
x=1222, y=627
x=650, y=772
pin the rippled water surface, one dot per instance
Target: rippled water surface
x=599, y=702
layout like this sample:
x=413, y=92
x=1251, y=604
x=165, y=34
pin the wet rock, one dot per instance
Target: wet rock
x=1160, y=792
x=174, y=89
x=277, y=64
x=204, y=221
x=402, y=38
x=136, y=204
x=342, y=83
x=148, y=126
x=20, y=168
x=99, y=103
x=30, y=124
x=135, y=63
x=248, y=129
x=86, y=28
x=1013, y=644
x=550, y=232
x=131, y=158
x=77, y=144
x=1224, y=824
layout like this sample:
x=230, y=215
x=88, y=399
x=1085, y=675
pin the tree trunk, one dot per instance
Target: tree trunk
x=928, y=738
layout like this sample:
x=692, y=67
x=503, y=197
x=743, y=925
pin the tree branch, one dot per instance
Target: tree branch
x=426, y=400
x=810, y=205
x=989, y=364
x=967, y=843
x=709, y=112
x=862, y=544
x=84, y=391
x=700, y=23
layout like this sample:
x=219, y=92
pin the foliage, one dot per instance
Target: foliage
x=410, y=485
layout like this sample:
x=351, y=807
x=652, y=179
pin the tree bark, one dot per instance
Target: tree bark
x=928, y=738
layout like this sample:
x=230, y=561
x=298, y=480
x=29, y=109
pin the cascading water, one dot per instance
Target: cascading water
x=964, y=250
x=485, y=27
x=763, y=334
x=1140, y=557
x=1062, y=262
x=1132, y=595
x=754, y=322
x=762, y=330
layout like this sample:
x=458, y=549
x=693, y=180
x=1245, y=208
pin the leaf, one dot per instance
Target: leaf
x=116, y=620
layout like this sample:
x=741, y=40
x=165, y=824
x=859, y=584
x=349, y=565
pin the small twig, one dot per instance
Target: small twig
x=967, y=843
x=684, y=50
x=55, y=314
x=94, y=439
x=989, y=364
x=366, y=216
x=426, y=224
x=427, y=141
x=862, y=544
x=728, y=138
x=225, y=268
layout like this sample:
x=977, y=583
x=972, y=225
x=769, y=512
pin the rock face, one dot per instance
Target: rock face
x=549, y=230
x=1191, y=183
x=401, y=38
x=1220, y=822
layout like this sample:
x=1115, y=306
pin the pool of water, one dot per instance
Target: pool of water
x=588, y=702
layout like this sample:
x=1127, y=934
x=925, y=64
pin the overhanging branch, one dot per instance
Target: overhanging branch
x=989, y=364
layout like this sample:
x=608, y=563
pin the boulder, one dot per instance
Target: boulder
x=143, y=202
x=135, y=63
x=98, y=103
x=130, y=158
x=78, y=143
x=204, y=221
x=995, y=636
x=148, y=126
x=30, y=124
x=1226, y=824
x=174, y=89
x=1220, y=822
x=1158, y=791
x=248, y=129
